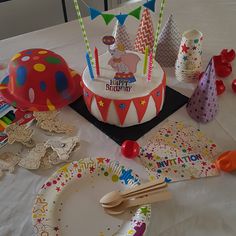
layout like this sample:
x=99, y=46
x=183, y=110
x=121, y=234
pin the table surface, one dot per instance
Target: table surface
x=199, y=207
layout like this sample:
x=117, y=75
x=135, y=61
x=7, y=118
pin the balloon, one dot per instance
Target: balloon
x=227, y=56
x=226, y=161
x=130, y=149
x=234, y=85
x=220, y=87
x=223, y=69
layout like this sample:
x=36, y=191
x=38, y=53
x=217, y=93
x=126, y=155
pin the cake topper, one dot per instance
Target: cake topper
x=125, y=64
x=145, y=34
x=108, y=17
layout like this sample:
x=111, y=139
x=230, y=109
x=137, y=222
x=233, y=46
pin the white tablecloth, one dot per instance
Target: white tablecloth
x=199, y=207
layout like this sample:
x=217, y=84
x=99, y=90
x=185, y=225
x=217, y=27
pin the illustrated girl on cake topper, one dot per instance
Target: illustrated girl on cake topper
x=125, y=64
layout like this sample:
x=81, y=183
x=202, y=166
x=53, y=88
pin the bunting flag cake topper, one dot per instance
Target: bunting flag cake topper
x=94, y=13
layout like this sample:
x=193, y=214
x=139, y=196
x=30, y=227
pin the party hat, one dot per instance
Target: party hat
x=168, y=44
x=121, y=36
x=203, y=105
x=145, y=34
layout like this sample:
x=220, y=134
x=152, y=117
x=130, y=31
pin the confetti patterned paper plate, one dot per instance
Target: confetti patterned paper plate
x=68, y=203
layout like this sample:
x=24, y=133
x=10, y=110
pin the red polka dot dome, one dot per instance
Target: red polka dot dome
x=40, y=80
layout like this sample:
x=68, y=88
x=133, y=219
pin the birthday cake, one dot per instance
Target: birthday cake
x=122, y=94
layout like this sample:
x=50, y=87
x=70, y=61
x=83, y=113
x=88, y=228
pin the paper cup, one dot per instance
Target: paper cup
x=189, y=65
x=191, y=45
x=192, y=36
x=187, y=75
x=189, y=62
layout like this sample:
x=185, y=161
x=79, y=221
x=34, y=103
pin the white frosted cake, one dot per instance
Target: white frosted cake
x=124, y=97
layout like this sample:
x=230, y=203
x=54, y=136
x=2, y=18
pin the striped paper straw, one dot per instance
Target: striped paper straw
x=158, y=28
x=83, y=31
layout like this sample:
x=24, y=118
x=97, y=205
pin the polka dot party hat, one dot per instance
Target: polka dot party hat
x=203, y=105
x=40, y=80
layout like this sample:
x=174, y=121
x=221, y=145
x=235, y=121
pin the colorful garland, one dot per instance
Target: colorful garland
x=94, y=13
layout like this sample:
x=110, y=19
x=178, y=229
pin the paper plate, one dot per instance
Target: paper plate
x=68, y=202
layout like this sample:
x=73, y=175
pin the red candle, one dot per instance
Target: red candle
x=97, y=61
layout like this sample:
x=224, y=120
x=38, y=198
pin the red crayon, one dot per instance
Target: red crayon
x=97, y=61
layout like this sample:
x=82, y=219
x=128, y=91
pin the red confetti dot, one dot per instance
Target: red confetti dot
x=48, y=184
x=54, y=181
x=79, y=175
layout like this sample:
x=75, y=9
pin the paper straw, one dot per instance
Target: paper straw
x=83, y=30
x=150, y=63
x=97, y=61
x=89, y=66
x=145, y=60
x=158, y=28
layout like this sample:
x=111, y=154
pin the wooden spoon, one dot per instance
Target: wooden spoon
x=161, y=196
x=116, y=196
x=138, y=194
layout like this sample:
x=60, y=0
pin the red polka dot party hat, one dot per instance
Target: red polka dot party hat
x=203, y=105
x=40, y=80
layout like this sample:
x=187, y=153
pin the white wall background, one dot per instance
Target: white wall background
x=21, y=16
